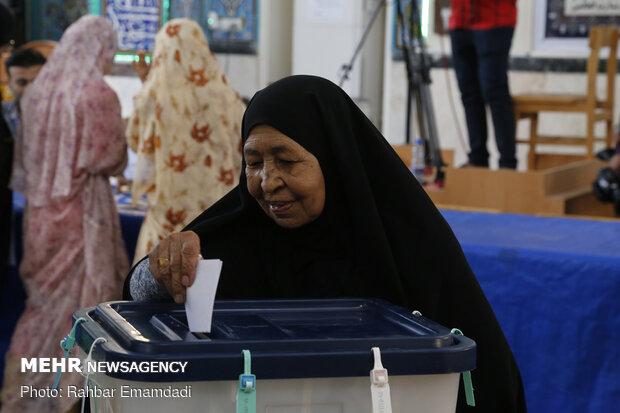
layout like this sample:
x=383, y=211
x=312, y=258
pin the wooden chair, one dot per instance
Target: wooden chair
x=529, y=106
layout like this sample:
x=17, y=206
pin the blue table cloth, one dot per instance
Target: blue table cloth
x=554, y=284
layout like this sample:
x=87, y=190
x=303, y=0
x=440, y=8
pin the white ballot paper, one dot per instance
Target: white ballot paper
x=201, y=296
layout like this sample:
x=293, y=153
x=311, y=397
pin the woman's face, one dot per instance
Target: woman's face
x=283, y=177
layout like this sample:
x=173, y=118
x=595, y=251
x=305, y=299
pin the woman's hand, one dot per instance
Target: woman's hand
x=173, y=263
x=141, y=67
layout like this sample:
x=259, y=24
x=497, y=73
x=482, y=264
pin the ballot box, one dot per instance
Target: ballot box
x=306, y=356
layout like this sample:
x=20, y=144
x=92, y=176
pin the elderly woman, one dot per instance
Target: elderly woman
x=185, y=129
x=325, y=208
x=74, y=256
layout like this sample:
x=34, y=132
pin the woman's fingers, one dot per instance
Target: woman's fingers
x=173, y=263
x=178, y=289
x=190, y=254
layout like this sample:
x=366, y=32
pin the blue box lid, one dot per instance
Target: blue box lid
x=287, y=339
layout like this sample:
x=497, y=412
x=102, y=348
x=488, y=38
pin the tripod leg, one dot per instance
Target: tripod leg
x=419, y=108
x=408, y=121
x=433, y=140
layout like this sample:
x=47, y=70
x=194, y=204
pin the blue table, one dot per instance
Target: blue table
x=554, y=284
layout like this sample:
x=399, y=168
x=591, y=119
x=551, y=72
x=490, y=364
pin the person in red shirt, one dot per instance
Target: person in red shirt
x=481, y=33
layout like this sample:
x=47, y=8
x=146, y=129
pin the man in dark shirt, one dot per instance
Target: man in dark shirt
x=7, y=29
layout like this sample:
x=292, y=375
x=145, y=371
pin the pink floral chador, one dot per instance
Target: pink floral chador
x=74, y=256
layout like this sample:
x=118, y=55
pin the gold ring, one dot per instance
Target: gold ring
x=162, y=261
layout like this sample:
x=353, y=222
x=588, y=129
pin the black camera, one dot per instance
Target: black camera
x=607, y=188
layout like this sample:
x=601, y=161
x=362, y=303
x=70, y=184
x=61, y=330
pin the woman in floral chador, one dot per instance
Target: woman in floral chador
x=74, y=256
x=186, y=131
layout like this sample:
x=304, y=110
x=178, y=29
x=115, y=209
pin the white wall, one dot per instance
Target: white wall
x=325, y=34
x=275, y=41
x=125, y=87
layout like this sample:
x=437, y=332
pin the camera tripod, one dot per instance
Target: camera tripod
x=417, y=63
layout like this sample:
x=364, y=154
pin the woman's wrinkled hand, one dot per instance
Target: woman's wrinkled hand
x=173, y=263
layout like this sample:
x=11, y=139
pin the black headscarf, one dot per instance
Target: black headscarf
x=379, y=234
